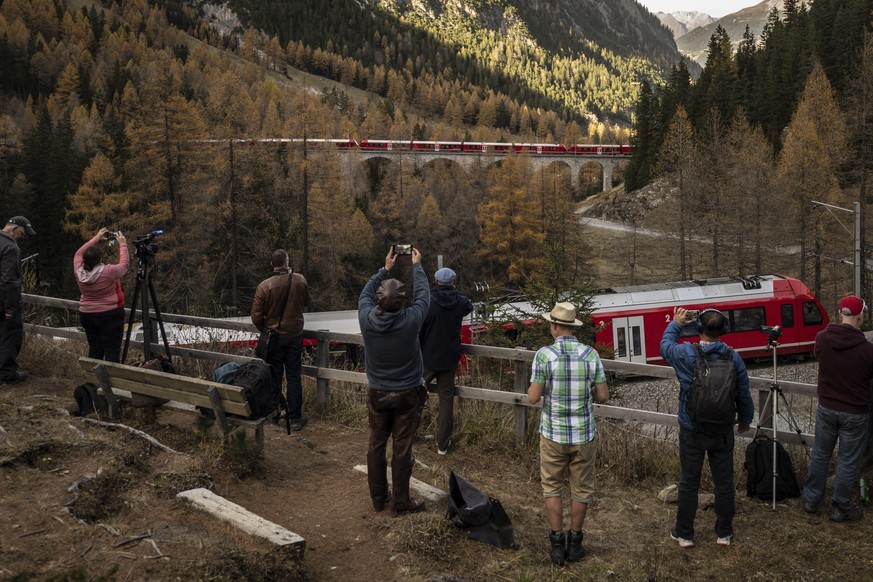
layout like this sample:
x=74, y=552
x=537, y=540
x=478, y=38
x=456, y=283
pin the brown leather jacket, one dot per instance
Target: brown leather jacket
x=266, y=310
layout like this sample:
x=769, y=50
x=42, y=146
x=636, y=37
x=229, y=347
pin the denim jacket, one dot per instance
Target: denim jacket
x=683, y=358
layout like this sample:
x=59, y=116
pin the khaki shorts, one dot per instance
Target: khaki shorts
x=577, y=460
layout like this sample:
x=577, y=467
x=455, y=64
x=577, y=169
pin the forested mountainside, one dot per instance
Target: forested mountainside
x=580, y=59
x=126, y=114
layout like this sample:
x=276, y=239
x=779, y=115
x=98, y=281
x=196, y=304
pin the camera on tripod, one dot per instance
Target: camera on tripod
x=773, y=333
x=145, y=246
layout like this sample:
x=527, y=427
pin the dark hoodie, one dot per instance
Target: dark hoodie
x=845, y=368
x=392, y=354
x=441, y=333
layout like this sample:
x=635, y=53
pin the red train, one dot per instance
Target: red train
x=632, y=319
x=479, y=147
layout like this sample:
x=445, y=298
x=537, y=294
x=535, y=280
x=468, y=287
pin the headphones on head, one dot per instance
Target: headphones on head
x=722, y=318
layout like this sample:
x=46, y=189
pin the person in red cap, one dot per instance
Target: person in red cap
x=11, y=322
x=845, y=369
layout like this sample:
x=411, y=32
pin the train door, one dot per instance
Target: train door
x=627, y=339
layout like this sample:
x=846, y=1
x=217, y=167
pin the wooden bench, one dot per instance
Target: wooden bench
x=227, y=402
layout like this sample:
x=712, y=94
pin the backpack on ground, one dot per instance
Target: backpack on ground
x=759, y=468
x=88, y=400
x=481, y=516
x=256, y=380
x=712, y=397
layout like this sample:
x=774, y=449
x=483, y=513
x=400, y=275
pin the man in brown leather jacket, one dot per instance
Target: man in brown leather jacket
x=285, y=318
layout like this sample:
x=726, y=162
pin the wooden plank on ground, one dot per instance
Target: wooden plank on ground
x=429, y=492
x=244, y=519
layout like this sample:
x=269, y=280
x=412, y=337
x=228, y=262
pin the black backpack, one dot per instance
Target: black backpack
x=256, y=380
x=481, y=516
x=712, y=398
x=88, y=400
x=759, y=467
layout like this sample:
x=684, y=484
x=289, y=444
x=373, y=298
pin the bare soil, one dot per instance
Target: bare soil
x=84, y=502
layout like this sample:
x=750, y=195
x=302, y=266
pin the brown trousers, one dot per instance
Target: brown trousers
x=395, y=414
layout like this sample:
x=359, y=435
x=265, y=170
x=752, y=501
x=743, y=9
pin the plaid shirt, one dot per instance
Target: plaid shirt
x=568, y=369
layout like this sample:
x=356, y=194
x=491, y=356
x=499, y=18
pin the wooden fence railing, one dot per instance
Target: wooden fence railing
x=521, y=357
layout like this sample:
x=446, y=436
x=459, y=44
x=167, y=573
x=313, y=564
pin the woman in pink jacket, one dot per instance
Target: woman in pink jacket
x=101, y=305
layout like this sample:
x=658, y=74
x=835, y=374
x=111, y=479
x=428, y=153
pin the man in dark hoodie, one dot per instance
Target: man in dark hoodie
x=441, y=347
x=396, y=395
x=845, y=369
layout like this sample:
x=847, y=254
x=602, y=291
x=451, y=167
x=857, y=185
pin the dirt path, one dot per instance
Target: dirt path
x=306, y=484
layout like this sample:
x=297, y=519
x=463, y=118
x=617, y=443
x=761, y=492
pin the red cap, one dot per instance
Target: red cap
x=852, y=305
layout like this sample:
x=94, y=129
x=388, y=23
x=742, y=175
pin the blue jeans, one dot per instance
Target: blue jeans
x=693, y=448
x=285, y=356
x=851, y=431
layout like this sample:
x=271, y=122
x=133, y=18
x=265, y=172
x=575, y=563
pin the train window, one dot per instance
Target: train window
x=787, y=315
x=749, y=319
x=621, y=348
x=637, y=339
x=811, y=314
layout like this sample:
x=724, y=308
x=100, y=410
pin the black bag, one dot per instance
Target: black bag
x=712, y=399
x=88, y=400
x=256, y=380
x=483, y=517
x=759, y=467
x=263, y=346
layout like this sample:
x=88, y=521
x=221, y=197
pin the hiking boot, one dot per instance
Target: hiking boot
x=558, y=551
x=413, y=506
x=839, y=514
x=683, y=543
x=18, y=376
x=298, y=423
x=575, y=549
x=810, y=507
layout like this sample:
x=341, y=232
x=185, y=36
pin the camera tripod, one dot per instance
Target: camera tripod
x=774, y=333
x=143, y=291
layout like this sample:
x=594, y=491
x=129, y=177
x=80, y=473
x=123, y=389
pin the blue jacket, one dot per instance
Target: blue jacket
x=683, y=358
x=392, y=353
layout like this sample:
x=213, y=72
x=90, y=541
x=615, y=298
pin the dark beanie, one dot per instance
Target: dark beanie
x=390, y=295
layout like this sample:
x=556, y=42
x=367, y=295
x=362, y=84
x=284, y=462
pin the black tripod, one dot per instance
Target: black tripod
x=774, y=333
x=144, y=249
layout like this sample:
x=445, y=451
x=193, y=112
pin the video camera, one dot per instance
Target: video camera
x=773, y=334
x=145, y=245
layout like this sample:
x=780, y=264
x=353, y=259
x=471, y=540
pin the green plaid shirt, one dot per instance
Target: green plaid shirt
x=568, y=369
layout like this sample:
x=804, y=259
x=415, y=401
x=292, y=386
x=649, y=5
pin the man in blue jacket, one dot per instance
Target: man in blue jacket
x=396, y=395
x=695, y=443
x=441, y=347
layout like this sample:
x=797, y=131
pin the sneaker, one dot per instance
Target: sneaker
x=558, y=549
x=810, y=507
x=839, y=514
x=18, y=376
x=683, y=543
x=722, y=541
x=575, y=549
x=446, y=450
x=298, y=423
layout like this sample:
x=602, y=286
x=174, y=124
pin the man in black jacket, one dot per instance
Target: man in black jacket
x=11, y=322
x=396, y=395
x=441, y=347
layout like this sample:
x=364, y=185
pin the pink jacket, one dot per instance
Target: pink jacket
x=100, y=287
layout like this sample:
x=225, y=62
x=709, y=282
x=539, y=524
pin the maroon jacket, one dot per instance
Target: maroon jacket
x=845, y=368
